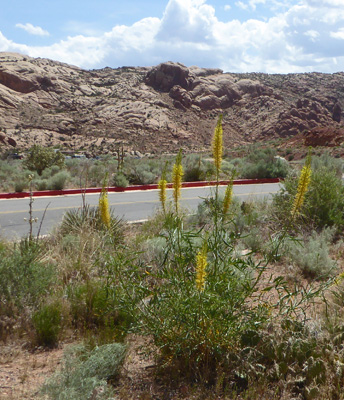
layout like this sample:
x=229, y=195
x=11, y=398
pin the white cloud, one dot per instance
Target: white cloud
x=302, y=38
x=312, y=34
x=338, y=35
x=250, y=5
x=227, y=7
x=33, y=30
x=242, y=5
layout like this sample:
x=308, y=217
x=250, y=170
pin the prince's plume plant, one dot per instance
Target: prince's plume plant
x=227, y=200
x=162, y=189
x=177, y=178
x=218, y=146
x=201, y=265
x=104, y=208
x=304, y=181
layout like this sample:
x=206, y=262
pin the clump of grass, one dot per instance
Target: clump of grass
x=25, y=277
x=47, y=322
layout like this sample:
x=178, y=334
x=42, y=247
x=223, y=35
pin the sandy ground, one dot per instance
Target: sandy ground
x=22, y=371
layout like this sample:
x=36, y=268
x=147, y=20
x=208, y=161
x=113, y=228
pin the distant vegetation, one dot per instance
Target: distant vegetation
x=53, y=172
x=237, y=300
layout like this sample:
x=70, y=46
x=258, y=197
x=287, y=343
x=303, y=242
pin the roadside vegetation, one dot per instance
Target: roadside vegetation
x=51, y=171
x=238, y=301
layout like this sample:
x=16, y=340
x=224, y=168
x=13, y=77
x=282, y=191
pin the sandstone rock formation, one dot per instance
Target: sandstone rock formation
x=158, y=109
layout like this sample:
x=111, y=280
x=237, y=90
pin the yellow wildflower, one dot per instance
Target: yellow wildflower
x=201, y=264
x=104, y=208
x=228, y=197
x=304, y=181
x=217, y=145
x=162, y=193
x=177, y=178
x=338, y=279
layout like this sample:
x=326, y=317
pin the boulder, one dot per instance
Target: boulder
x=182, y=96
x=166, y=75
x=17, y=83
x=329, y=136
x=4, y=139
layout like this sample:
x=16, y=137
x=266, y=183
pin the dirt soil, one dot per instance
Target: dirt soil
x=23, y=371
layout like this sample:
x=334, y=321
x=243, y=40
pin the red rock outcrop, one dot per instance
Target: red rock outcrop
x=160, y=108
x=330, y=136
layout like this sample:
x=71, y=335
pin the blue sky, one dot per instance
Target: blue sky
x=273, y=36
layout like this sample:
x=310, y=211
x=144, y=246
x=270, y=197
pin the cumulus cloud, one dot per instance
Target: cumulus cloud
x=303, y=37
x=33, y=30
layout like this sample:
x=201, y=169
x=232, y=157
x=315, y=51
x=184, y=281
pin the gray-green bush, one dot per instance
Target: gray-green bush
x=311, y=253
x=58, y=181
x=85, y=374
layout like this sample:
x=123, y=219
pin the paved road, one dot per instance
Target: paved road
x=131, y=206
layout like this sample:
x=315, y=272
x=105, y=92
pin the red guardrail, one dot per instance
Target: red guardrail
x=65, y=192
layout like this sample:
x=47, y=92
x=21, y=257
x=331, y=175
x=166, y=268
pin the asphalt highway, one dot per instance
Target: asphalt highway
x=131, y=206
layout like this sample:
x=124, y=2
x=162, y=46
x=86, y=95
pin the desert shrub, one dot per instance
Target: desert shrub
x=85, y=374
x=47, y=324
x=58, y=180
x=324, y=201
x=95, y=173
x=153, y=250
x=21, y=185
x=253, y=240
x=51, y=171
x=40, y=158
x=194, y=168
x=202, y=322
x=262, y=163
x=141, y=172
x=25, y=278
x=93, y=306
x=41, y=184
x=328, y=162
x=311, y=254
x=120, y=180
x=202, y=304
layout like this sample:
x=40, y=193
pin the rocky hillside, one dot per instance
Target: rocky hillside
x=161, y=108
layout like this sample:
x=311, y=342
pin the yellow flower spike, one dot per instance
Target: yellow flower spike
x=201, y=264
x=304, y=181
x=217, y=145
x=104, y=208
x=162, y=185
x=162, y=193
x=338, y=279
x=177, y=178
x=227, y=201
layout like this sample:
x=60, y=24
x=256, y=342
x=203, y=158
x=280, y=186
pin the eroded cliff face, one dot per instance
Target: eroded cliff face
x=159, y=109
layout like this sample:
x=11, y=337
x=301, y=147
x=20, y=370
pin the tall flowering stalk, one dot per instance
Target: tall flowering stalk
x=177, y=178
x=304, y=181
x=162, y=184
x=227, y=201
x=104, y=208
x=201, y=265
x=162, y=193
x=217, y=146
